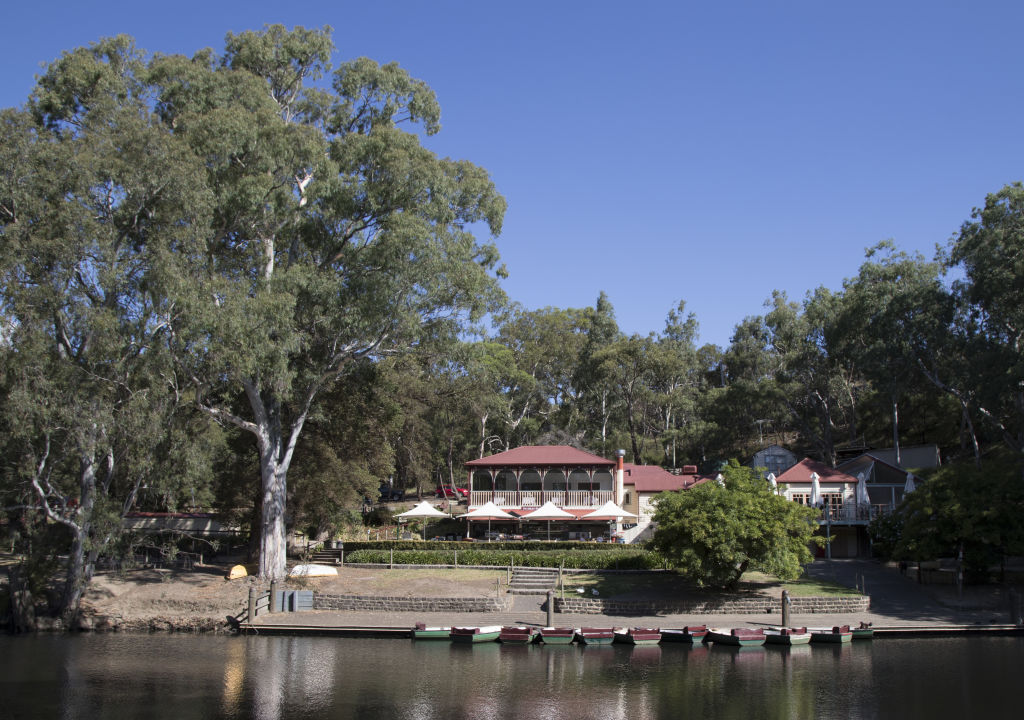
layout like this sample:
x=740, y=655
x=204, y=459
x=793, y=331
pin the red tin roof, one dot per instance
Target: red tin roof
x=801, y=473
x=652, y=478
x=542, y=456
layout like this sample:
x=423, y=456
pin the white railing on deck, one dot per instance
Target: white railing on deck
x=532, y=499
x=854, y=512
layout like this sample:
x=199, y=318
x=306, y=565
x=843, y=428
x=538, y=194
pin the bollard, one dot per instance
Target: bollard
x=273, y=597
x=551, y=608
x=252, y=605
x=785, y=608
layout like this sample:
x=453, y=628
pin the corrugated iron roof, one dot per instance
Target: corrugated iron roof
x=801, y=473
x=652, y=478
x=542, y=456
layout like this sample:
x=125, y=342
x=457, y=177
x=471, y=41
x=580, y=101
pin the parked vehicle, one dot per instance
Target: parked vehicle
x=452, y=491
x=390, y=494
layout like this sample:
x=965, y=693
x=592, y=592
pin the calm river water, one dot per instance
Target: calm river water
x=184, y=677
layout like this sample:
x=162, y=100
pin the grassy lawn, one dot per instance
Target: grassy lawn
x=667, y=585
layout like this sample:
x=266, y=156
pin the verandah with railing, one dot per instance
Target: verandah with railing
x=531, y=499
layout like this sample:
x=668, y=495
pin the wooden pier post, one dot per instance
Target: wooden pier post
x=251, y=617
x=273, y=597
x=551, y=608
x=785, y=608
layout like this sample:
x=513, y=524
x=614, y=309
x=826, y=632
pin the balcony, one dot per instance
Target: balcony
x=533, y=499
x=852, y=513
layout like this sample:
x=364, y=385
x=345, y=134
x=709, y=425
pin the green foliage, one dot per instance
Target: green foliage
x=470, y=554
x=712, y=534
x=963, y=507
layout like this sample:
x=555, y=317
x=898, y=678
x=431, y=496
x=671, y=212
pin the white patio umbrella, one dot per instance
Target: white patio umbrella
x=815, y=490
x=548, y=511
x=911, y=486
x=611, y=511
x=488, y=511
x=862, y=490
x=424, y=511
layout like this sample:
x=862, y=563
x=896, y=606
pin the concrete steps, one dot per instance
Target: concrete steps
x=532, y=581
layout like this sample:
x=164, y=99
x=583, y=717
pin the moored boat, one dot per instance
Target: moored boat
x=596, y=636
x=688, y=634
x=736, y=637
x=787, y=636
x=835, y=635
x=638, y=636
x=864, y=632
x=422, y=632
x=557, y=635
x=487, y=633
x=517, y=635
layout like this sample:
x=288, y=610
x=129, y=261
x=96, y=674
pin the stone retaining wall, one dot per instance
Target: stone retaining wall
x=410, y=604
x=738, y=606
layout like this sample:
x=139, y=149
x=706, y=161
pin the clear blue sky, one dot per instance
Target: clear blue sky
x=664, y=151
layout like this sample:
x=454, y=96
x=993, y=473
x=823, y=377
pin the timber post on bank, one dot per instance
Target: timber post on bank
x=551, y=608
x=785, y=608
x=273, y=597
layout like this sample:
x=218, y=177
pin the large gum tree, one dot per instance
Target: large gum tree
x=316, y=230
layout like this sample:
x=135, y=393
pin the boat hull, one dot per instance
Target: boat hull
x=726, y=637
x=473, y=635
x=557, y=636
x=517, y=635
x=596, y=636
x=432, y=634
x=639, y=636
x=831, y=637
x=863, y=633
x=685, y=635
x=789, y=639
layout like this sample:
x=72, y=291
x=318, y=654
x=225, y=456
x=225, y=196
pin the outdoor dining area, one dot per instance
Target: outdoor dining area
x=547, y=523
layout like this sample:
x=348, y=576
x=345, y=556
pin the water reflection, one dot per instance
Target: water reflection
x=184, y=677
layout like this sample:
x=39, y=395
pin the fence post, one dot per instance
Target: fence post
x=456, y=557
x=252, y=605
x=274, y=607
x=391, y=565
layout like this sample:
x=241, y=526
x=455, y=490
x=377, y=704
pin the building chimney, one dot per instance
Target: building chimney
x=619, y=476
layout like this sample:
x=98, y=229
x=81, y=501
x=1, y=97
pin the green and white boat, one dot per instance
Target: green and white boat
x=487, y=633
x=736, y=637
x=787, y=636
x=422, y=632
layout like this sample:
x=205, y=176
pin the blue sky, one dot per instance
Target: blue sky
x=665, y=151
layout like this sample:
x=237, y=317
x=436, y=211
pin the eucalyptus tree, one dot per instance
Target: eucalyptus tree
x=95, y=198
x=882, y=312
x=305, y=229
x=594, y=403
x=677, y=380
x=989, y=251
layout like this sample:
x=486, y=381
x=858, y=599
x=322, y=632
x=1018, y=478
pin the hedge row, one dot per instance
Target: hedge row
x=631, y=559
x=525, y=545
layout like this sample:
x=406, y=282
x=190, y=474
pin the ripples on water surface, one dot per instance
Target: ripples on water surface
x=185, y=677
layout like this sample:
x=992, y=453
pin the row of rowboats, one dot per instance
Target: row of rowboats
x=738, y=637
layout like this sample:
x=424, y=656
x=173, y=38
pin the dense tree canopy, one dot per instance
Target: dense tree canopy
x=219, y=267
x=715, y=532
